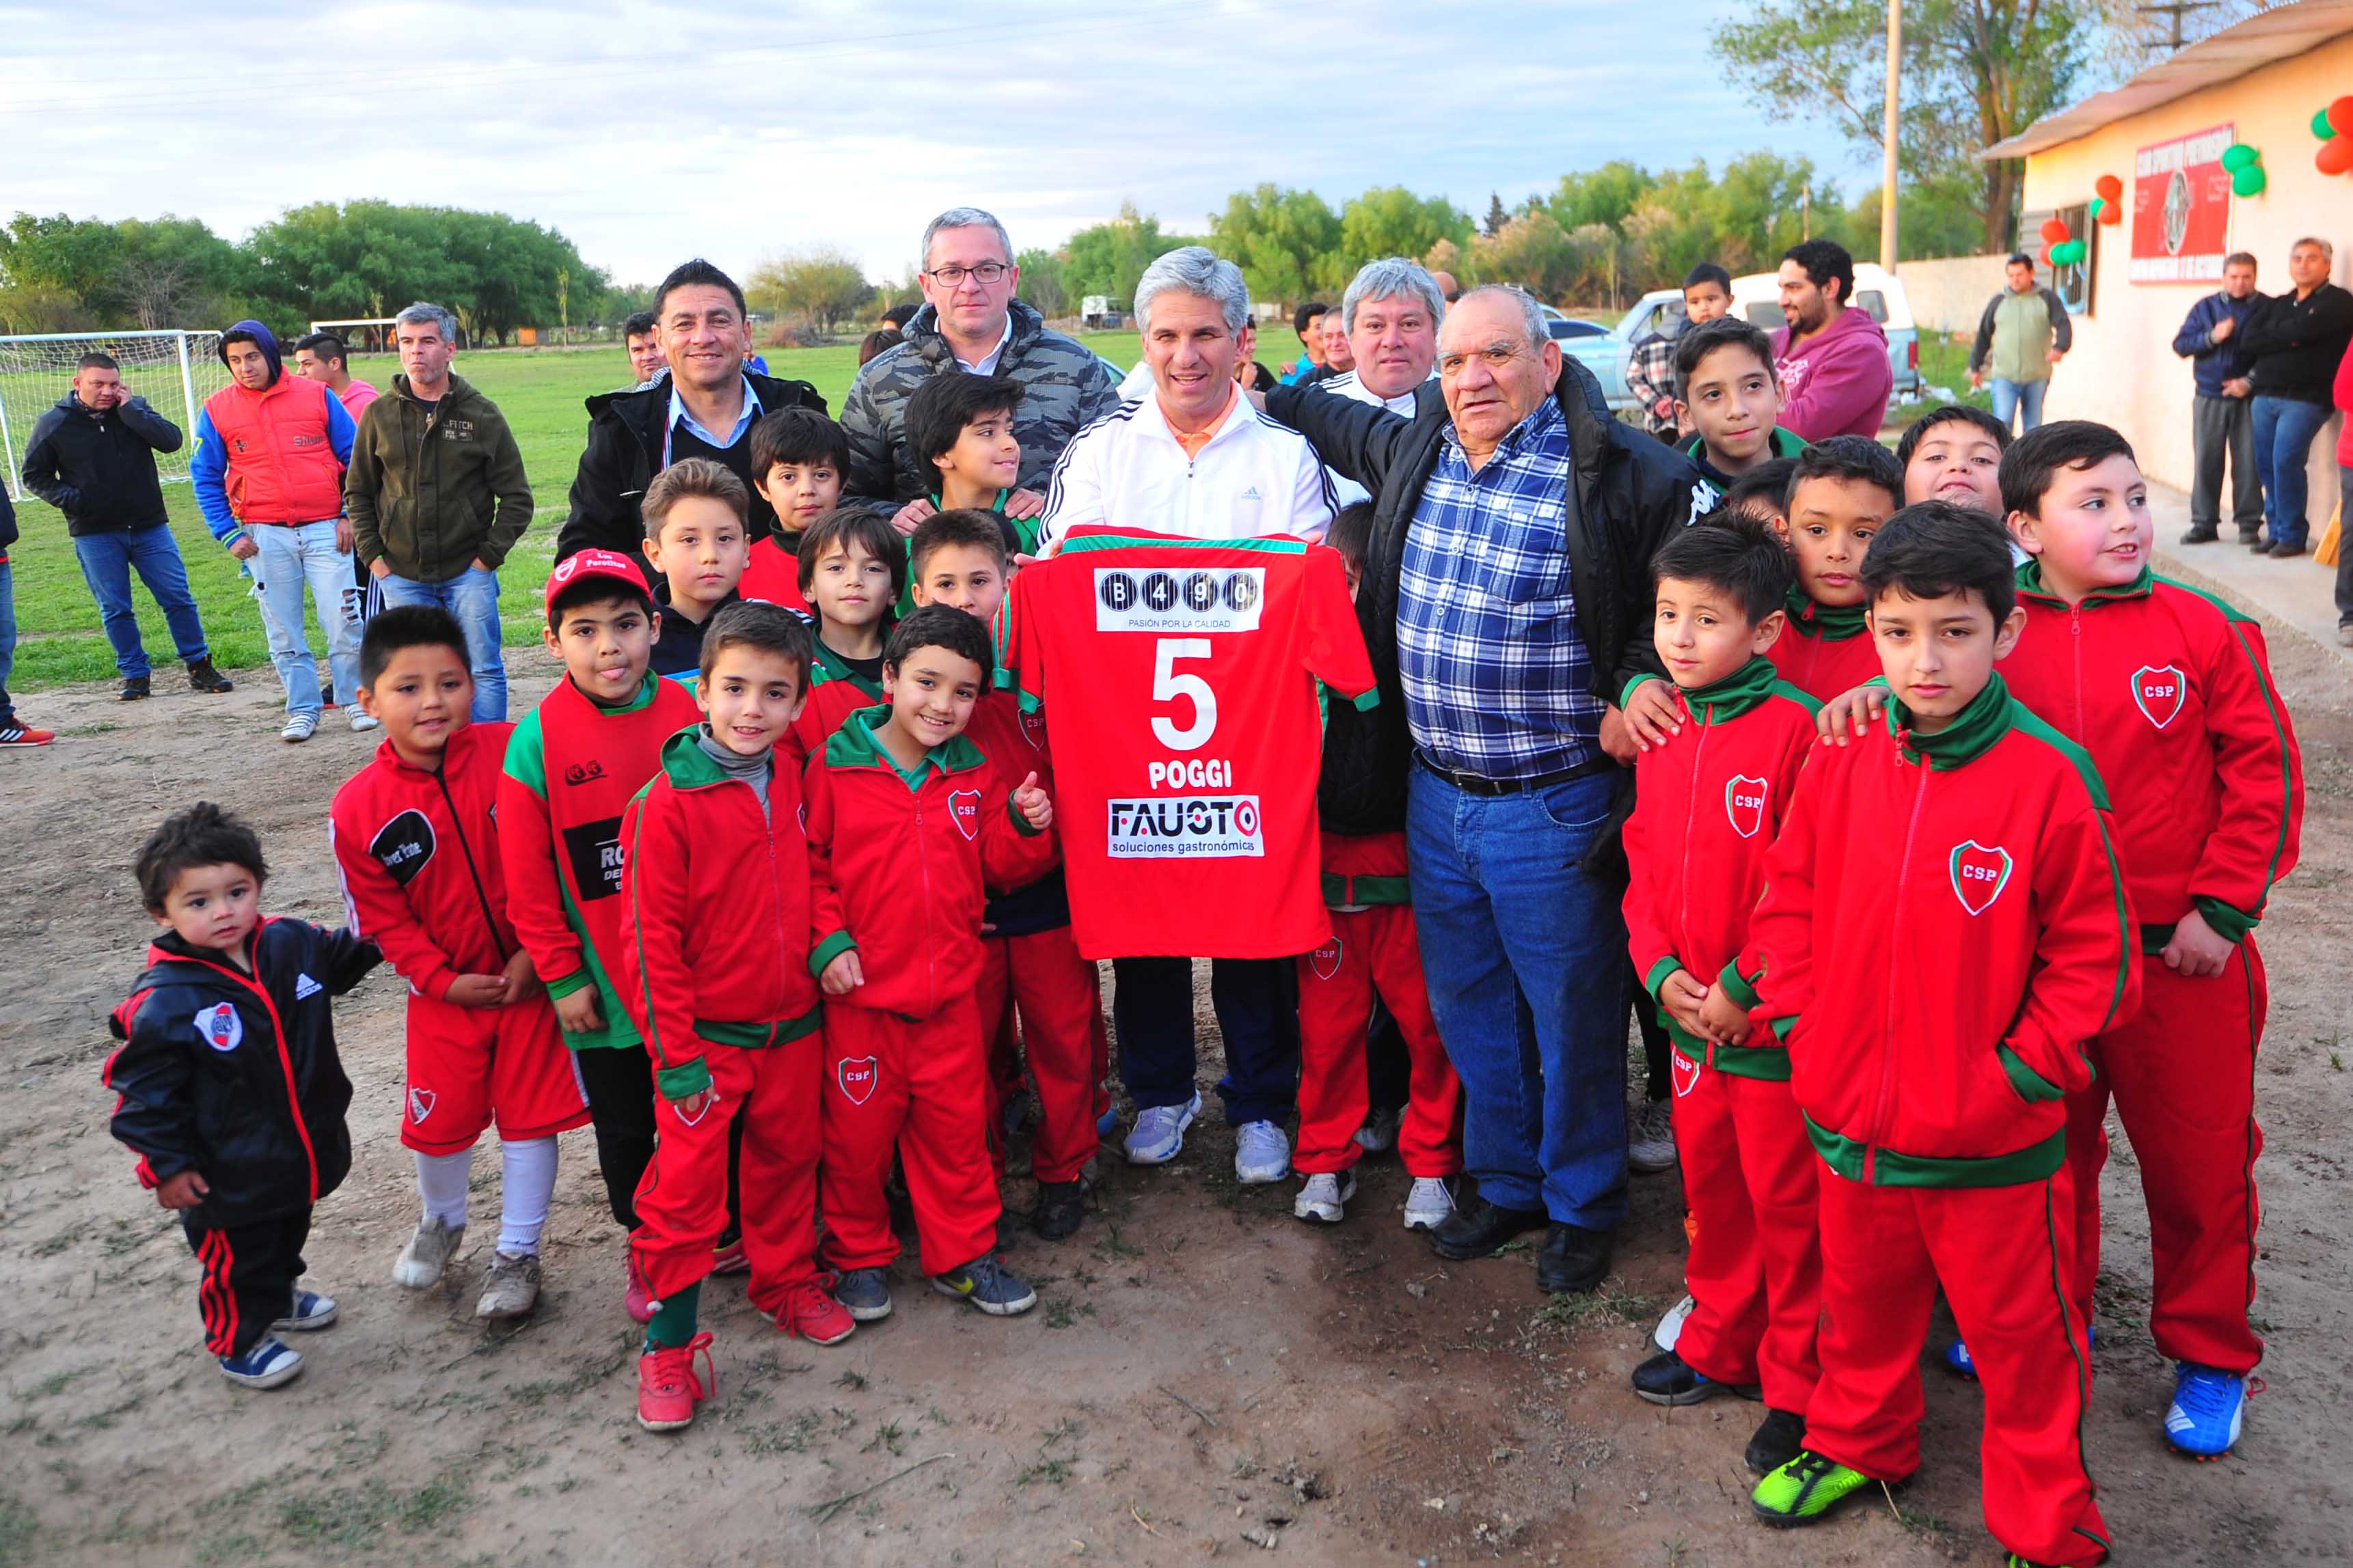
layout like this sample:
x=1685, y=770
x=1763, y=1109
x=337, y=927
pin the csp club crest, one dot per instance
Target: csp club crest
x=1979, y=875
x=1744, y=802
x=1325, y=960
x=857, y=1076
x=963, y=810
x=2160, y=693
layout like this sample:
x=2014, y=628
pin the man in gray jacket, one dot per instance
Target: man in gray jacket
x=2023, y=333
x=970, y=321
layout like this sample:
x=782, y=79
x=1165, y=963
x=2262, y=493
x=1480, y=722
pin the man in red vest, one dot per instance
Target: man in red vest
x=268, y=474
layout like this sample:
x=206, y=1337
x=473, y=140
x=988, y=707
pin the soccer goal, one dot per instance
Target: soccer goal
x=174, y=372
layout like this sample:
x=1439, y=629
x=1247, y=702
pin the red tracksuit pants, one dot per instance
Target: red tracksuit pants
x=1060, y=1007
x=2002, y=1255
x=468, y=1066
x=681, y=1200
x=1372, y=950
x=920, y=1087
x=1752, y=1186
x=2182, y=1072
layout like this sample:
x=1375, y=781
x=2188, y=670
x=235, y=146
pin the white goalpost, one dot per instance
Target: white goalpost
x=173, y=371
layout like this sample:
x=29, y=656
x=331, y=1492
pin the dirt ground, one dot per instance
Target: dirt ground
x=1201, y=1367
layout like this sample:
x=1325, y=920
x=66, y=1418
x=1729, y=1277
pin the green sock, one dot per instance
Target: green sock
x=673, y=1321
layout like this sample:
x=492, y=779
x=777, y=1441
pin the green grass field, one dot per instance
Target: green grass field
x=541, y=392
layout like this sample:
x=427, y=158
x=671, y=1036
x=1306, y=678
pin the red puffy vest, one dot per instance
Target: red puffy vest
x=282, y=467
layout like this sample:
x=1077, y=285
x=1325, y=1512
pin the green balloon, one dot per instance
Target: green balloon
x=2248, y=182
x=2076, y=251
x=2237, y=156
x=2320, y=126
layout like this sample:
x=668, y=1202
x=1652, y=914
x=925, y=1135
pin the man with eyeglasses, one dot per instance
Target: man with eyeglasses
x=1506, y=603
x=970, y=322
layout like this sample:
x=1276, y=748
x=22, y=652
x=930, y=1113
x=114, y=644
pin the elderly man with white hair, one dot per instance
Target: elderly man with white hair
x=1195, y=458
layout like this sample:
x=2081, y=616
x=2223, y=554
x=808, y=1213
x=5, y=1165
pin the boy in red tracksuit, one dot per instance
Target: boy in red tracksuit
x=1708, y=807
x=717, y=933
x=416, y=840
x=1027, y=954
x=906, y=822
x=1957, y=862
x=851, y=564
x=2172, y=692
x=572, y=767
x=1374, y=951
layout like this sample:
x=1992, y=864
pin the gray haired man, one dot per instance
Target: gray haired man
x=1391, y=311
x=970, y=321
x=437, y=495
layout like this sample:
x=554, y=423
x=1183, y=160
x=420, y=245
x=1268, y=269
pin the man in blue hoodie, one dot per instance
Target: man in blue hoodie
x=2221, y=419
x=268, y=476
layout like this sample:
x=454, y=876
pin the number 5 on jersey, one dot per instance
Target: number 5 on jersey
x=1169, y=684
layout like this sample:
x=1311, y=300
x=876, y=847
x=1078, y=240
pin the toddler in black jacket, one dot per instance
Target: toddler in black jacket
x=231, y=1093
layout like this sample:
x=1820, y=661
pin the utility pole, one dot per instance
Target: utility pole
x=1887, y=134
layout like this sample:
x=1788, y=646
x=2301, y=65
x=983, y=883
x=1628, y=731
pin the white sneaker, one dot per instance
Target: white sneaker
x=300, y=727
x=1323, y=1196
x=1158, y=1135
x=511, y=1288
x=1262, y=1153
x=428, y=1254
x=1650, y=1136
x=362, y=722
x=1379, y=1134
x=1430, y=1204
x=1671, y=1327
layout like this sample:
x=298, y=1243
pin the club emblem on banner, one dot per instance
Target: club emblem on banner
x=1979, y=875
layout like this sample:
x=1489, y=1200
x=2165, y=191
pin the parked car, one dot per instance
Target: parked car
x=1757, y=297
x=1599, y=349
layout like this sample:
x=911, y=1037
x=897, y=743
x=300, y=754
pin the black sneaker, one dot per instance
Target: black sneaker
x=987, y=1285
x=2256, y=542
x=204, y=678
x=1779, y=1438
x=1478, y=1229
x=136, y=688
x=2201, y=535
x=1667, y=1379
x=1574, y=1258
x=864, y=1294
x=1062, y=1206
x=2287, y=550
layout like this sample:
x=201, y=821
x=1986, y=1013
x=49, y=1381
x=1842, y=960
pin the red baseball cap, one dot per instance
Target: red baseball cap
x=594, y=564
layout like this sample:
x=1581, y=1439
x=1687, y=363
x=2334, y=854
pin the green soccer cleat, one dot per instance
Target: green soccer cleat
x=1804, y=1490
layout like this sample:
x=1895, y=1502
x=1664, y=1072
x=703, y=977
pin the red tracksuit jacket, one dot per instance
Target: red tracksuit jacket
x=836, y=691
x=2172, y=693
x=1708, y=806
x=1962, y=897
x=1015, y=745
x=1827, y=649
x=716, y=930
x=901, y=873
x=418, y=853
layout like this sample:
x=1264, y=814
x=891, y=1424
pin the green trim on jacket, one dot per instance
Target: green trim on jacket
x=1882, y=1167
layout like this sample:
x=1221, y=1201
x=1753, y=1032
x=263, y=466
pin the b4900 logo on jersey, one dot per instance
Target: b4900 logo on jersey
x=1211, y=599
x=1186, y=827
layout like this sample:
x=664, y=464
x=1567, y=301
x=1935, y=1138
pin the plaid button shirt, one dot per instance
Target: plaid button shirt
x=1497, y=681
x=1651, y=376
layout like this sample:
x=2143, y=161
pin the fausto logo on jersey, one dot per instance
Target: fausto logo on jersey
x=1176, y=828
x=1213, y=599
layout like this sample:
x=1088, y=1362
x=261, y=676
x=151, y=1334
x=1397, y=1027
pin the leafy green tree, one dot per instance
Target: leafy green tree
x=1532, y=251
x=1391, y=221
x=1044, y=282
x=1109, y=257
x=1603, y=196
x=822, y=286
x=1496, y=216
x=1974, y=72
x=1281, y=239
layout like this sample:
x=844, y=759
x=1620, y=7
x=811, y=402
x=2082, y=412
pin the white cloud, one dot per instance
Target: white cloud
x=650, y=129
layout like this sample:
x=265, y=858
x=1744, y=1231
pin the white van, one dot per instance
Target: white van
x=1758, y=298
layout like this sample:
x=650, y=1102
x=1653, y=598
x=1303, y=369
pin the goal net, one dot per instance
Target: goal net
x=173, y=371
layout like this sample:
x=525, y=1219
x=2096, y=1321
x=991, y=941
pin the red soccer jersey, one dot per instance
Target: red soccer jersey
x=774, y=574
x=1185, y=674
x=1826, y=650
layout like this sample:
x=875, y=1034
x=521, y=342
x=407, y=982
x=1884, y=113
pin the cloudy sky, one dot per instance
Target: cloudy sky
x=647, y=131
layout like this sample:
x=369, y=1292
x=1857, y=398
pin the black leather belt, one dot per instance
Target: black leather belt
x=1471, y=783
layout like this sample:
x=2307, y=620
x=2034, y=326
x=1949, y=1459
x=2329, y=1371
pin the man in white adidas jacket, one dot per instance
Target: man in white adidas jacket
x=1195, y=458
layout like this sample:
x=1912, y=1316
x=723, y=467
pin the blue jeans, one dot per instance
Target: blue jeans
x=1523, y=954
x=292, y=555
x=2283, y=432
x=472, y=597
x=1257, y=1004
x=2019, y=397
x=7, y=639
x=106, y=561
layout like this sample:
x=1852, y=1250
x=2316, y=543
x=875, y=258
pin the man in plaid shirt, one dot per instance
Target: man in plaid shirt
x=1506, y=600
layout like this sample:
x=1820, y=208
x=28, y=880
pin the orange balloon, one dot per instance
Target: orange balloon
x=2111, y=214
x=2047, y=260
x=2055, y=229
x=2109, y=187
x=2335, y=155
x=2340, y=115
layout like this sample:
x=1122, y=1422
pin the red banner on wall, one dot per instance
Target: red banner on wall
x=2181, y=209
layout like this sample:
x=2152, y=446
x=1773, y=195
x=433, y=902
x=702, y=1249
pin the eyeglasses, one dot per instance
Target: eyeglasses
x=986, y=273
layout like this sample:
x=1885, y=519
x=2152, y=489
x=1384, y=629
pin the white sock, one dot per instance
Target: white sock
x=527, y=1182
x=441, y=1180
